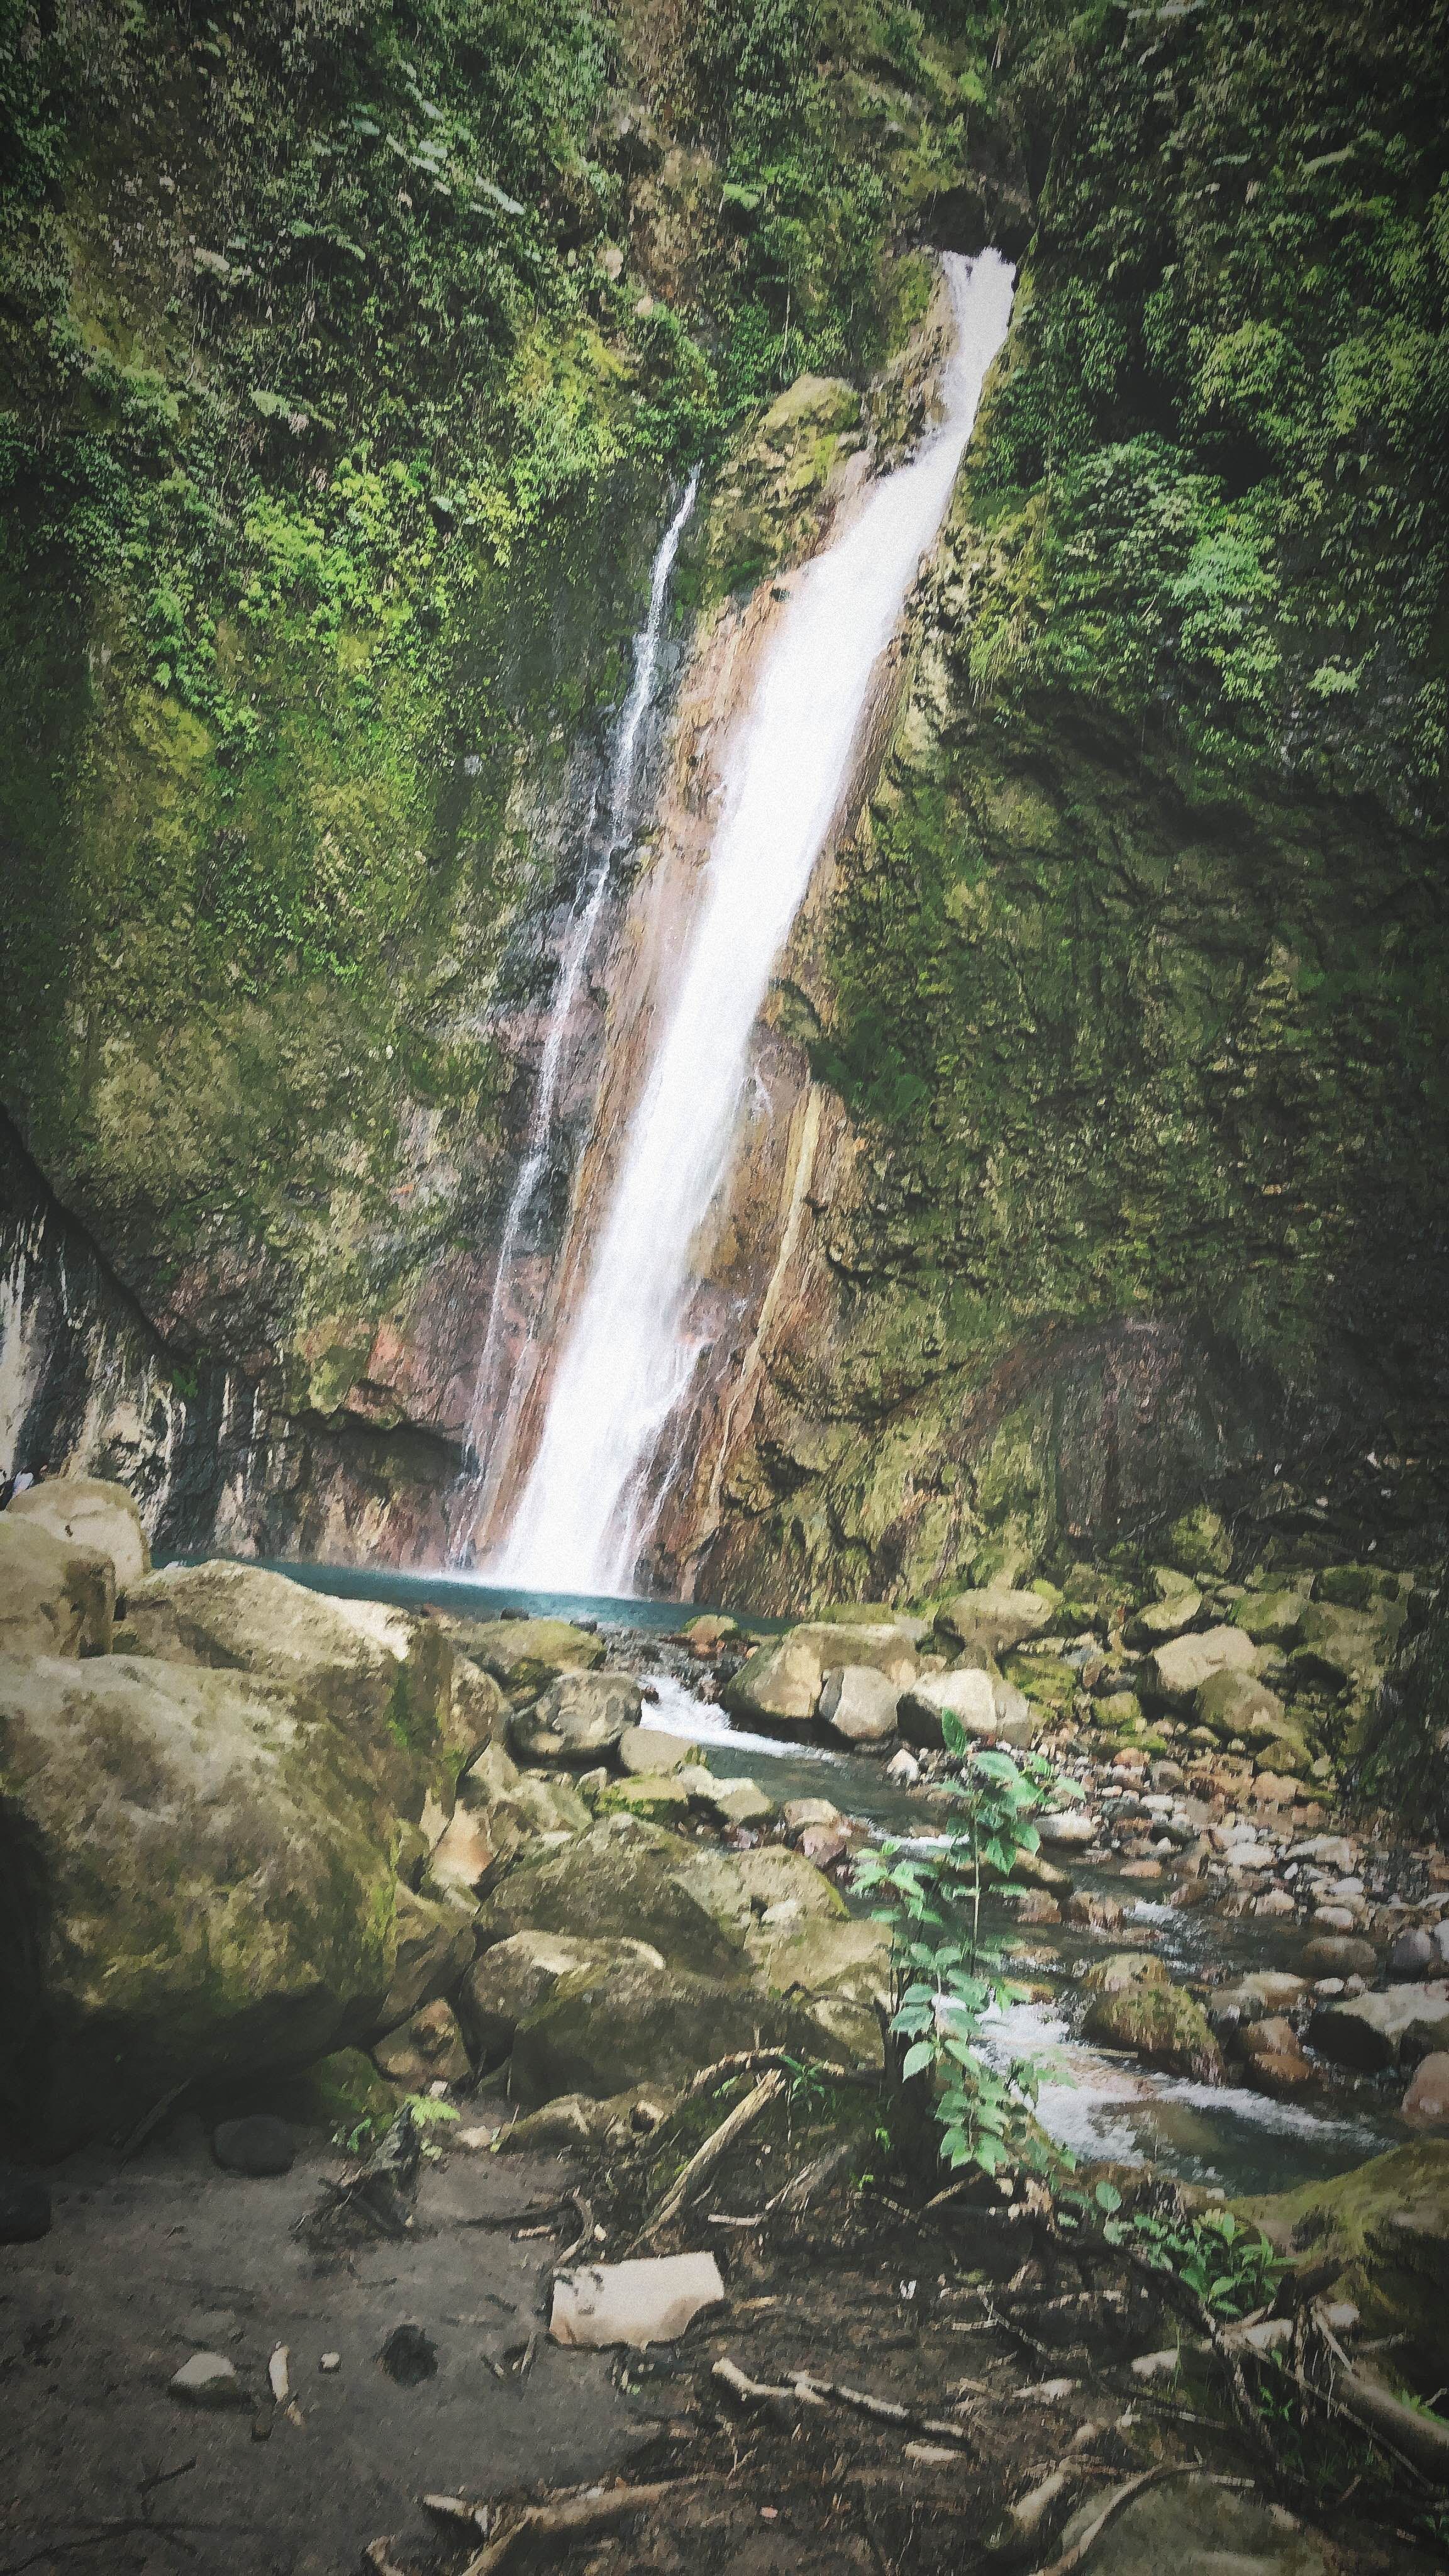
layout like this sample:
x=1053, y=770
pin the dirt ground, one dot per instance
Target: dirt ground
x=965, y=2321
x=150, y=2261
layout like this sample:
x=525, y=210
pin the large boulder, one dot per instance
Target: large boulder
x=631, y=2022
x=515, y=1977
x=1371, y=2032
x=809, y=1955
x=1170, y=1616
x=783, y=1681
x=87, y=1511
x=391, y=1677
x=525, y=1655
x=1173, y=1674
x=859, y=1704
x=1345, y=1648
x=622, y=1880
x=1238, y=1704
x=1378, y=2235
x=1270, y=1618
x=1194, y=2526
x=579, y=1719
x=56, y=1598
x=200, y=1884
x=994, y=1619
x=738, y=1888
x=1159, y=2022
x=990, y=1710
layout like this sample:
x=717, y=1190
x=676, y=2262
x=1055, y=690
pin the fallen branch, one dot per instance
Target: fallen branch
x=754, y=2061
x=578, y=2517
x=807, y=2391
x=801, y=2190
x=1076, y=2556
x=1416, y=2439
x=716, y=2145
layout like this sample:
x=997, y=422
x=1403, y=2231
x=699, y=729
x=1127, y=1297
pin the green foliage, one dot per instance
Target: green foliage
x=1227, y=388
x=1230, y=2266
x=944, y=1978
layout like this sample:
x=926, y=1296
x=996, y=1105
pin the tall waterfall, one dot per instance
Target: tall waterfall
x=583, y=1514
x=499, y=1392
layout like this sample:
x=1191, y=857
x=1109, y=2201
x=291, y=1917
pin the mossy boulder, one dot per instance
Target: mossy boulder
x=90, y=1511
x=623, y=1879
x=1270, y=1618
x=994, y=1618
x=1174, y=1673
x=56, y=1598
x=1200, y=1541
x=782, y=1681
x=525, y=1655
x=1158, y=1620
x=389, y=1681
x=810, y=1955
x=433, y=1945
x=1234, y=1703
x=1378, y=2235
x=1345, y=1649
x=662, y=1797
x=629, y=2021
x=202, y=1881
x=1135, y=2006
x=514, y=1977
x=579, y=1719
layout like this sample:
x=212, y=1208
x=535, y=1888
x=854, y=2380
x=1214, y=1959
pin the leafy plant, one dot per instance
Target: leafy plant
x=944, y=1978
x=1232, y=2267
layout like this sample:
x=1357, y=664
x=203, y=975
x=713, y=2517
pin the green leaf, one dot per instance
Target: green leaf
x=919, y=2056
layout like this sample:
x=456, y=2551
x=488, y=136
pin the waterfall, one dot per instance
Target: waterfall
x=584, y=1511
x=498, y=1394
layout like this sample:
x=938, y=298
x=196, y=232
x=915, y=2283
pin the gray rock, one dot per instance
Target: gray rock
x=859, y=1704
x=1070, y=1829
x=1174, y=1673
x=784, y=1679
x=88, y=1511
x=968, y=1695
x=55, y=1598
x=1368, y=2031
x=208, y=2379
x=246, y=1854
x=516, y=1976
x=259, y=2144
x=995, y=1618
x=626, y=1880
x=629, y=2022
x=426, y=2050
x=1195, y=2528
x=434, y=1946
x=648, y=1750
x=580, y=1716
x=1339, y=1955
x=1156, y=1621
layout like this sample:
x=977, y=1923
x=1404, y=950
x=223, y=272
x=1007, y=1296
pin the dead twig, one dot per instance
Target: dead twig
x=717, y=2145
x=577, y=2517
x=754, y=2061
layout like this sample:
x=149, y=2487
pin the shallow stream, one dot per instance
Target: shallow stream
x=1097, y=2103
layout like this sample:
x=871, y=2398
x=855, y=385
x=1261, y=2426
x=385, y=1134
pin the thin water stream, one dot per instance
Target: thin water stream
x=1097, y=2103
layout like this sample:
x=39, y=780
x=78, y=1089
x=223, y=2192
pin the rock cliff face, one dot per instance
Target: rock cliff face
x=1096, y=1157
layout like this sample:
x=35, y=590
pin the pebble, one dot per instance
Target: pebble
x=903, y=1770
x=25, y=2211
x=259, y=2144
x=1156, y=2365
x=208, y=2379
x=330, y=2361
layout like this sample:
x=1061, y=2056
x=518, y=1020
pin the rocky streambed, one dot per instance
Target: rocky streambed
x=300, y=1885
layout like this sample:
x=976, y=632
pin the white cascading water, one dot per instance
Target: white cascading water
x=583, y=1514
x=497, y=1404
